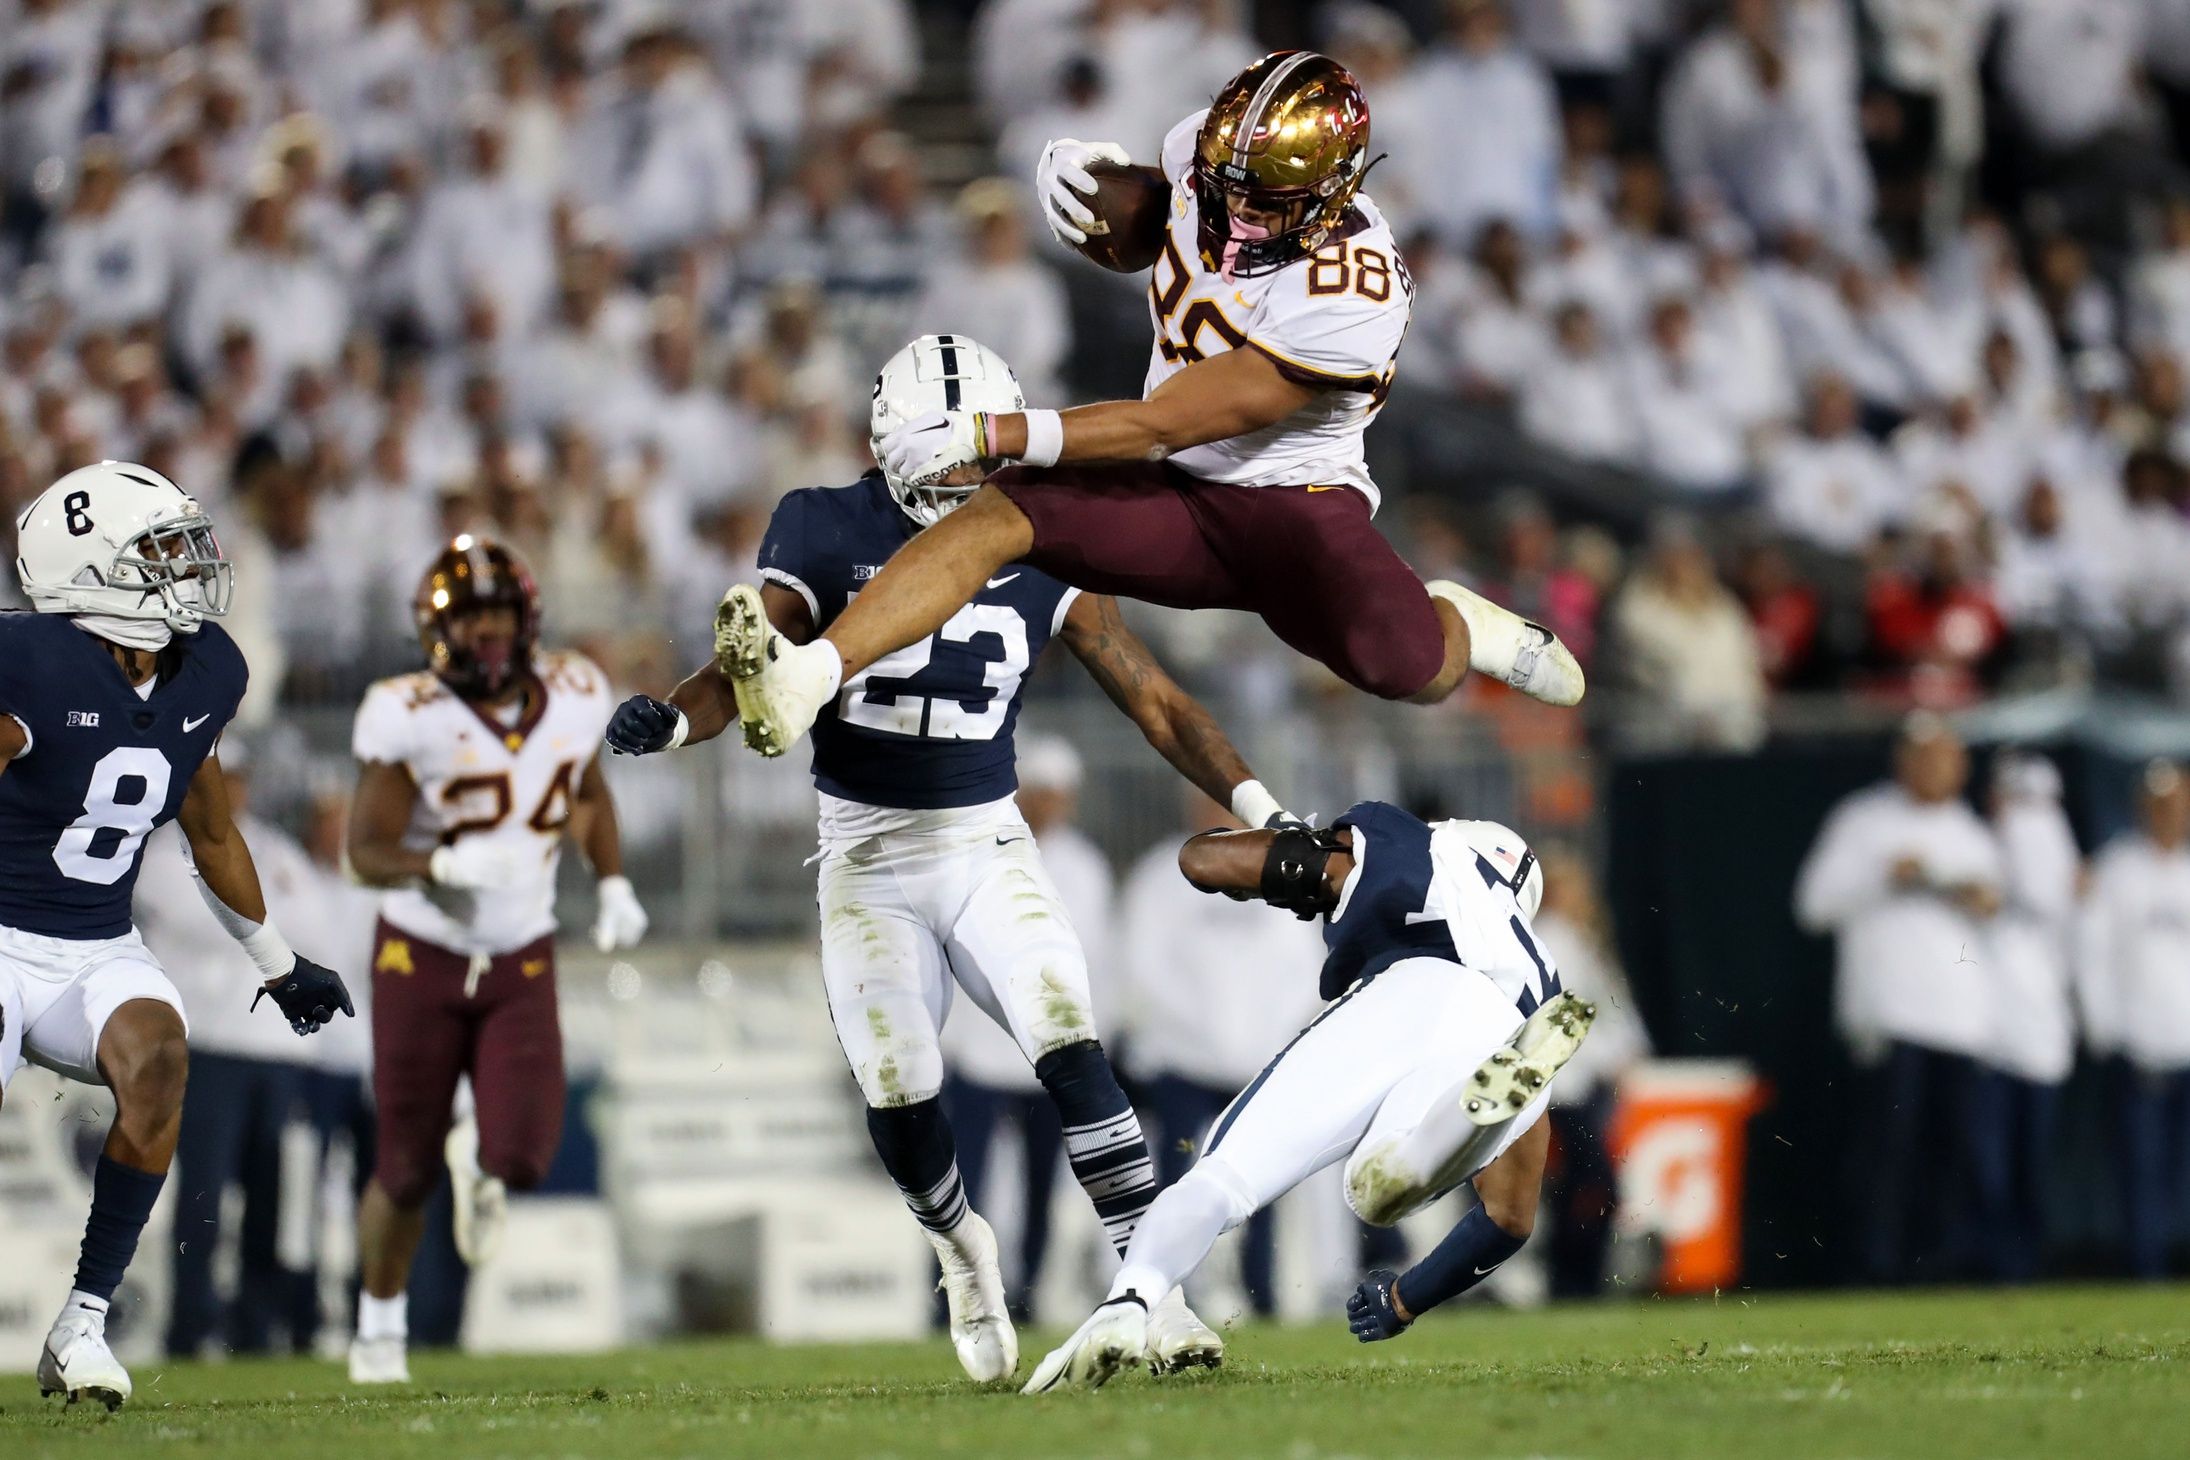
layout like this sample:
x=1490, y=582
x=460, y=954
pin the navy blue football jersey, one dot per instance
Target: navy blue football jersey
x=1400, y=904
x=930, y=725
x=103, y=769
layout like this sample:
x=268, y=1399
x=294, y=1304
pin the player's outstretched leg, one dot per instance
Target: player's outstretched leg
x=1110, y=1159
x=146, y=1063
x=1407, y=1161
x=914, y=1142
x=781, y=686
x=1507, y=647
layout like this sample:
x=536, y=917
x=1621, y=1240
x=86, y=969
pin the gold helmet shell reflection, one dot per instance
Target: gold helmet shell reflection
x=1288, y=136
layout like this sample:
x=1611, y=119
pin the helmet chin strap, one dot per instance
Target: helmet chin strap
x=149, y=634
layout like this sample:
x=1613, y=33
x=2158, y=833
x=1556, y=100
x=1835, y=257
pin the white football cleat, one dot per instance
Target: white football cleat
x=77, y=1362
x=1114, y=1338
x=1178, y=1340
x=781, y=686
x=981, y=1331
x=1512, y=650
x=379, y=1361
x=481, y=1201
x=1516, y=1073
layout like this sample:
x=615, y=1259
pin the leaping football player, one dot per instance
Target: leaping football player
x=113, y=696
x=929, y=875
x=471, y=773
x=1279, y=301
x=1430, y=1066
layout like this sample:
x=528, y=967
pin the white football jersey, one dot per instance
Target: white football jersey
x=478, y=776
x=1335, y=318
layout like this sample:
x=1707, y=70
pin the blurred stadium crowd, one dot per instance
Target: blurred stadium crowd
x=1895, y=294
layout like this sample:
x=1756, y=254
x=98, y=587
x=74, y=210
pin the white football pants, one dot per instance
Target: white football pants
x=904, y=916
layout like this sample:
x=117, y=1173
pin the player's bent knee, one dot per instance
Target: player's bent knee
x=1213, y=1180
x=149, y=1075
x=1381, y=1191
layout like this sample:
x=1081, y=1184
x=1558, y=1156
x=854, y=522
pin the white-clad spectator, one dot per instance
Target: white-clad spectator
x=1576, y=399
x=483, y=232
x=580, y=365
x=993, y=290
x=663, y=156
x=1499, y=335
x=2034, y=1037
x=1689, y=435
x=320, y=582
x=1078, y=104
x=49, y=60
x=1930, y=49
x=1020, y=51
x=991, y=1083
x=1759, y=116
x=1212, y=989
x=1829, y=319
x=2050, y=570
x=1689, y=648
x=292, y=304
x=708, y=443
x=1503, y=161
x=1906, y=878
x=110, y=260
x=2069, y=68
x=325, y=223
x=1590, y=41
x=1830, y=484
x=1967, y=456
x=181, y=200
x=1932, y=346
x=387, y=517
x=533, y=128
x=1735, y=327
x=247, y=1072
x=146, y=405
x=1164, y=59
x=794, y=353
x=2151, y=558
x=2134, y=946
x=2159, y=286
x=860, y=55
x=1645, y=230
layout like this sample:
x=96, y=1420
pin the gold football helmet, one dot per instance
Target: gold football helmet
x=1287, y=141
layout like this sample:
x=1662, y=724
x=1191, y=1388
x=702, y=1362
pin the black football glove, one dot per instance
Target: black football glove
x=1370, y=1312
x=308, y=997
x=642, y=725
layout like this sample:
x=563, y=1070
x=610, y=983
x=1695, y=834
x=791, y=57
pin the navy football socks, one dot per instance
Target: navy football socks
x=1103, y=1139
x=914, y=1142
x=1469, y=1253
x=121, y=1203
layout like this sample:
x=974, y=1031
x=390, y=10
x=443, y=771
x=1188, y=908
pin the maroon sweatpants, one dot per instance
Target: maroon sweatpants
x=1307, y=559
x=427, y=1031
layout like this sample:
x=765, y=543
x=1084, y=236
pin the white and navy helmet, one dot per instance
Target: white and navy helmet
x=938, y=373
x=121, y=539
x=1502, y=850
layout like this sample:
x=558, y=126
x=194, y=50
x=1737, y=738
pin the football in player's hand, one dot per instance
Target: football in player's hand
x=1131, y=207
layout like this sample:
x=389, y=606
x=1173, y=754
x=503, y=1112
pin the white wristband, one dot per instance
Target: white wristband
x=1253, y=804
x=678, y=731
x=270, y=951
x=1045, y=438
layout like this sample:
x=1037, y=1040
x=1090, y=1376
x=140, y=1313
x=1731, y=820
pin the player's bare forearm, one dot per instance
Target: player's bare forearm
x=710, y=706
x=1179, y=726
x=593, y=823
x=13, y=740
x=216, y=844
x=380, y=814
x=1226, y=395
x=1231, y=862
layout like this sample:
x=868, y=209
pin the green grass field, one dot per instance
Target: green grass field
x=2064, y=1372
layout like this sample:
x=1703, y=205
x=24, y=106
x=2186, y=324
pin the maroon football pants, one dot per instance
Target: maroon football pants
x=428, y=1031
x=1307, y=559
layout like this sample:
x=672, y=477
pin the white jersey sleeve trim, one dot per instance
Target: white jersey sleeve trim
x=29, y=739
x=1064, y=605
x=786, y=580
x=1360, y=855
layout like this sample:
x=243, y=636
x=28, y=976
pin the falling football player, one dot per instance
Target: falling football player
x=929, y=875
x=1279, y=300
x=113, y=696
x=471, y=773
x=1430, y=1067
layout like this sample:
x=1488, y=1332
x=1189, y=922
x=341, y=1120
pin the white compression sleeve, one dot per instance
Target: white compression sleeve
x=263, y=941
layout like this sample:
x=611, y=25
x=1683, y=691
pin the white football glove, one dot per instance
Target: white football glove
x=479, y=864
x=928, y=448
x=620, y=922
x=1061, y=177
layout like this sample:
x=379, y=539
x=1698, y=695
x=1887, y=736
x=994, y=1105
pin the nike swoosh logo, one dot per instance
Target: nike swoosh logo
x=190, y=725
x=1006, y=841
x=1000, y=582
x=1486, y=1271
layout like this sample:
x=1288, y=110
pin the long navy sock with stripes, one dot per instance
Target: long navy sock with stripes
x=1103, y=1139
x=914, y=1142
